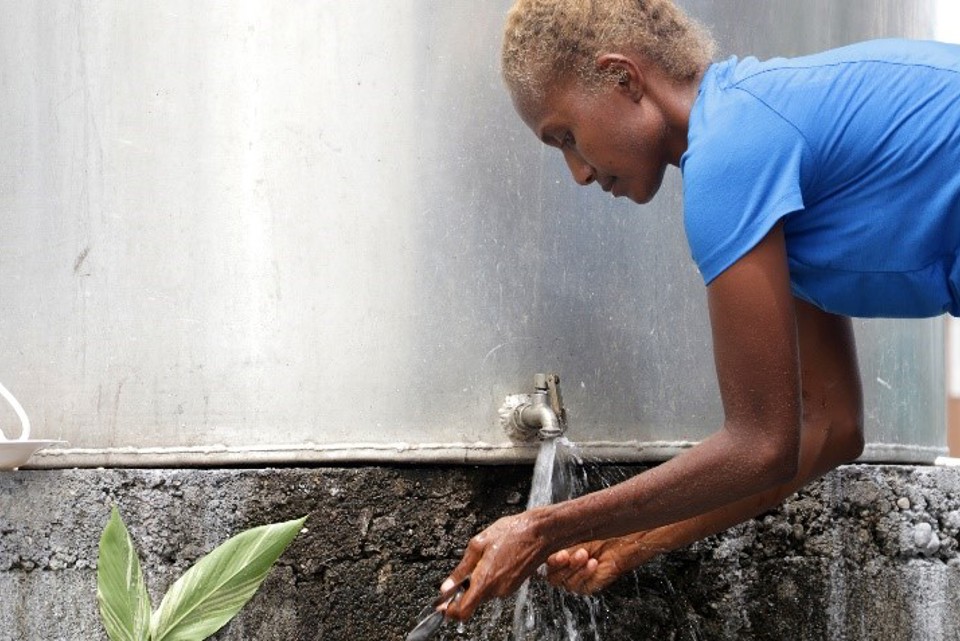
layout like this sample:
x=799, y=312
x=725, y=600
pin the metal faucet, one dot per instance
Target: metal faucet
x=542, y=416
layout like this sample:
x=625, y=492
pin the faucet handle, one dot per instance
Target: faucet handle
x=556, y=400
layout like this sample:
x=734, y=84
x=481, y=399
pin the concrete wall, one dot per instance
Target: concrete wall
x=870, y=552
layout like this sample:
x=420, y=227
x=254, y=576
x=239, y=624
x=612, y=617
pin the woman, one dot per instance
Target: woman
x=815, y=189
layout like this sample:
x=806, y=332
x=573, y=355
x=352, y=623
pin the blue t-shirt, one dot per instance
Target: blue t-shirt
x=857, y=150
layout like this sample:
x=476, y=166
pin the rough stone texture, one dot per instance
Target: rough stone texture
x=870, y=552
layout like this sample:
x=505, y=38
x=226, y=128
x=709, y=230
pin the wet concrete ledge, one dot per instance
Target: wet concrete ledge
x=869, y=552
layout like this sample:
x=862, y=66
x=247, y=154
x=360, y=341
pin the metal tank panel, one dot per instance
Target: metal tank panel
x=281, y=232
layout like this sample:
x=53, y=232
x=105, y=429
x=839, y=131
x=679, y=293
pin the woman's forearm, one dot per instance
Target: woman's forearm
x=823, y=448
x=678, y=535
x=706, y=478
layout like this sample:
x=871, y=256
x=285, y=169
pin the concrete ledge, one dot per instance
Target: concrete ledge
x=869, y=552
x=476, y=453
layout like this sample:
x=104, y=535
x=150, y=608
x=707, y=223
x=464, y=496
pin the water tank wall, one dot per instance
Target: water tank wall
x=273, y=231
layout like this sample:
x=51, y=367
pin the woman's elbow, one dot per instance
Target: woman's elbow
x=781, y=463
x=776, y=460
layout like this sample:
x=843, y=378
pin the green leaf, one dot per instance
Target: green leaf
x=210, y=593
x=121, y=592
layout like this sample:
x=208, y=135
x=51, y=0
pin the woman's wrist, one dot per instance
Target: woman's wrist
x=640, y=547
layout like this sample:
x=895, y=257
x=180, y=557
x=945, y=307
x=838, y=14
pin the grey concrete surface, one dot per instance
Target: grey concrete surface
x=869, y=552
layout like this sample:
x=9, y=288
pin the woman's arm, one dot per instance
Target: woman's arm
x=756, y=351
x=832, y=434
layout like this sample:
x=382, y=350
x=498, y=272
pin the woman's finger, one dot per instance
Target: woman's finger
x=577, y=580
x=465, y=568
x=558, y=559
x=579, y=558
x=462, y=608
x=563, y=565
x=581, y=583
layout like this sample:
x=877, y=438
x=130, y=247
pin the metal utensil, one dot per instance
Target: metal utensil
x=431, y=618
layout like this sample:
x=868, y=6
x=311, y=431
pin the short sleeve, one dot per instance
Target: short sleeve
x=742, y=173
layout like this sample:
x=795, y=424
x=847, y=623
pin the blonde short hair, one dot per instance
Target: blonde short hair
x=546, y=41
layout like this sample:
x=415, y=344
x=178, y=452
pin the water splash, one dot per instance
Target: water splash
x=542, y=612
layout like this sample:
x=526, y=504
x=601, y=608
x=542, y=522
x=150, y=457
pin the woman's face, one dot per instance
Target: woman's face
x=613, y=135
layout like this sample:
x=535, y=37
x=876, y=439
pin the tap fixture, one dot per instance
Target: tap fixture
x=535, y=416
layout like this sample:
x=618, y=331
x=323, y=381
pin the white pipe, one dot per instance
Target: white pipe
x=24, y=421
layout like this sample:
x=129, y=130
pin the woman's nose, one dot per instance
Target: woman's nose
x=582, y=172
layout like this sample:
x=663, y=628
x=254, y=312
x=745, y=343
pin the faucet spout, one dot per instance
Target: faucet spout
x=538, y=416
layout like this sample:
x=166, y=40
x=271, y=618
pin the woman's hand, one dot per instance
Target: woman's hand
x=498, y=560
x=593, y=566
x=586, y=568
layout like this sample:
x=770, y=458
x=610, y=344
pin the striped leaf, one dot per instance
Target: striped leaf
x=210, y=593
x=121, y=592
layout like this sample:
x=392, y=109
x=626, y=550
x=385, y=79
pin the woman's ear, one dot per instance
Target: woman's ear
x=625, y=71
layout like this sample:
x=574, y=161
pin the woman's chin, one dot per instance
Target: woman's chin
x=643, y=194
x=643, y=197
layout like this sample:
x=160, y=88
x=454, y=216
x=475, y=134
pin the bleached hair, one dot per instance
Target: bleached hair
x=546, y=41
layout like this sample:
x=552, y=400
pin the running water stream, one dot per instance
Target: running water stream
x=542, y=612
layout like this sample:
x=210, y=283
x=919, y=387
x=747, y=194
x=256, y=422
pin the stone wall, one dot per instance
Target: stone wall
x=869, y=552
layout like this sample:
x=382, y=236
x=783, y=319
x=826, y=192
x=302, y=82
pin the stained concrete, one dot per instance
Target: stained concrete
x=869, y=552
